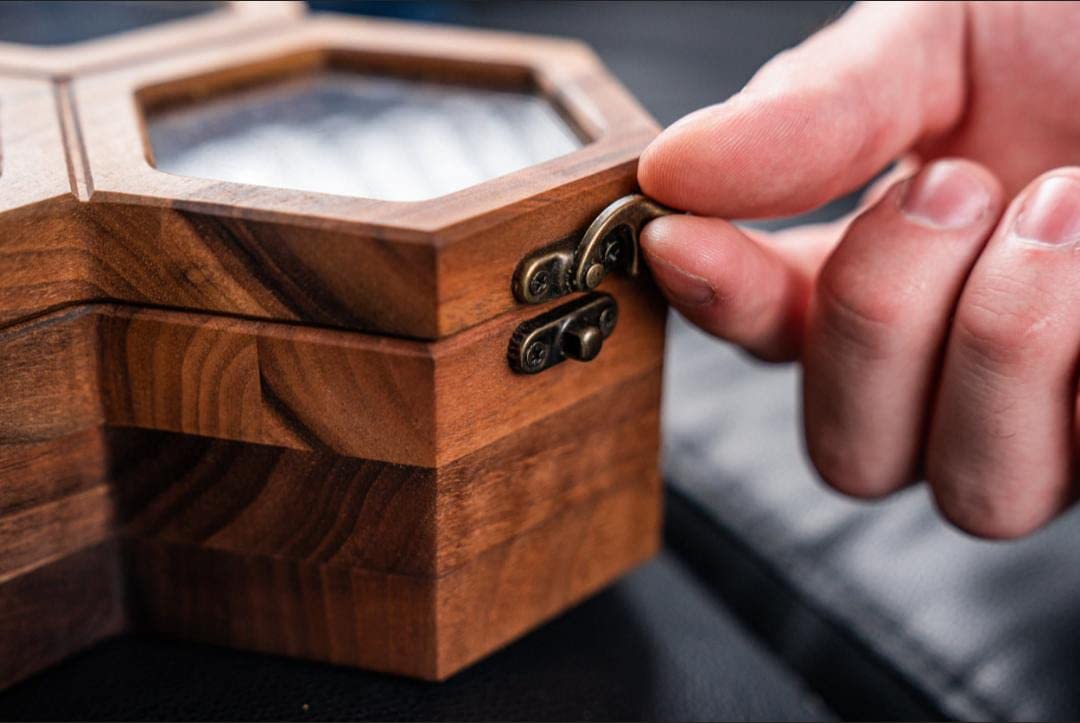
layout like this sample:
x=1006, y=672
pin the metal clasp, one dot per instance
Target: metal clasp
x=575, y=330
x=610, y=243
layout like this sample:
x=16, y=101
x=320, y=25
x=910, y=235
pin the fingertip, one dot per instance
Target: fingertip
x=662, y=235
x=830, y=452
x=950, y=194
x=678, y=264
x=984, y=174
x=726, y=283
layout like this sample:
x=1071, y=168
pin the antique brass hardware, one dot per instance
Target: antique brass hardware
x=575, y=330
x=609, y=244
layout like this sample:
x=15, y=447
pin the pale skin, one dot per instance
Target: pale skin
x=938, y=327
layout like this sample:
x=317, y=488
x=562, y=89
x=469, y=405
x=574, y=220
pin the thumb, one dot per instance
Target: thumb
x=820, y=120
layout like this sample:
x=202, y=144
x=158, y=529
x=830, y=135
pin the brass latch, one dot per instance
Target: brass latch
x=575, y=330
x=609, y=244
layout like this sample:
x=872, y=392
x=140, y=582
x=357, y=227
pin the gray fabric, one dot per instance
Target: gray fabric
x=987, y=630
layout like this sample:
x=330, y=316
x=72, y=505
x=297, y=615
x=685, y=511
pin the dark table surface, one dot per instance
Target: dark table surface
x=654, y=646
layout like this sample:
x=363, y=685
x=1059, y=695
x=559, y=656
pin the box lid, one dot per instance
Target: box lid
x=422, y=268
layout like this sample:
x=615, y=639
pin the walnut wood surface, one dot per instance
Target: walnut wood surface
x=379, y=516
x=232, y=19
x=408, y=402
x=198, y=403
x=59, y=494
x=54, y=500
x=67, y=493
x=360, y=562
x=125, y=231
x=54, y=529
x=423, y=627
x=36, y=473
x=59, y=608
x=60, y=577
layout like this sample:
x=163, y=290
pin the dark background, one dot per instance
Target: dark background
x=673, y=56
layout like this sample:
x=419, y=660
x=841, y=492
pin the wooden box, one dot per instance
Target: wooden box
x=285, y=419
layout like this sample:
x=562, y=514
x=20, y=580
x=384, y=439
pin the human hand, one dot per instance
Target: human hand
x=939, y=326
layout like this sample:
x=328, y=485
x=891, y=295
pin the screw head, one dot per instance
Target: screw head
x=540, y=283
x=594, y=275
x=612, y=252
x=607, y=320
x=535, y=355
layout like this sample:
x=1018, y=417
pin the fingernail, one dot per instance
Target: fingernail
x=681, y=287
x=946, y=194
x=1051, y=213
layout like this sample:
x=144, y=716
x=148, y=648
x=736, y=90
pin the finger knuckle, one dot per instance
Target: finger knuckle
x=842, y=469
x=998, y=329
x=858, y=314
x=984, y=508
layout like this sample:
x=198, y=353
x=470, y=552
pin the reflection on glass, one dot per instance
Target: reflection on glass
x=71, y=21
x=356, y=135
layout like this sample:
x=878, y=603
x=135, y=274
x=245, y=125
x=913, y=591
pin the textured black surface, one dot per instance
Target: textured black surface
x=978, y=629
x=655, y=646
x=855, y=681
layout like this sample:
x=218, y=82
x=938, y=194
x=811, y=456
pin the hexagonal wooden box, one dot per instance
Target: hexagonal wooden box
x=284, y=419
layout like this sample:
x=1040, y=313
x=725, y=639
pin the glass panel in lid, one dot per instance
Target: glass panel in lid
x=359, y=135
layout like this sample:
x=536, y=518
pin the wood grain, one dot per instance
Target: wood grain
x=60, y=608
x=308, y=553
x=284, y=419
x=418, y=269
x=54, y=529
x=102, y=224
x=35, y=473
x=63, y=61
x=423, y=627
x=358, y=395
x=59, y=569
x=378, y=516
